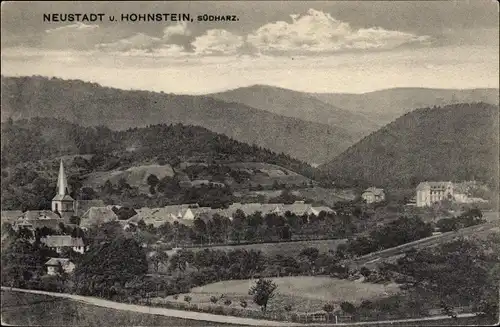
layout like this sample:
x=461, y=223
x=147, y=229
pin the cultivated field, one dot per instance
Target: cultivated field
x=283, y=248
x=135, y=176
x=26, y=309
x=304, y=294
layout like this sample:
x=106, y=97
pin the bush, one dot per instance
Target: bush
x=365, y=271
x=288, y=307
x=243, y=303
x=176, y=296
x=214, y=299
x=187, y=299
x=328, y=307
x=227, y=302
x=219, y=310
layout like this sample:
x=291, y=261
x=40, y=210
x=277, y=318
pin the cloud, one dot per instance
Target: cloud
x=319, y=32
x=143, y=44
x=77, y=36
x=178, y=29
x=217, y=41
x=138, y=41
x=72, y=28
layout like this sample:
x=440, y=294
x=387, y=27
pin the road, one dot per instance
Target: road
x=375, y=257
x=207, y=316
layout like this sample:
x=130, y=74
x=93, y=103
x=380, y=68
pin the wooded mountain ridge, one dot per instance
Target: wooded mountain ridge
x=89, y=104
x=455, y=142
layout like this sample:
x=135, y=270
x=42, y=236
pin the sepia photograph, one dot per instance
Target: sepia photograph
x=250, y=163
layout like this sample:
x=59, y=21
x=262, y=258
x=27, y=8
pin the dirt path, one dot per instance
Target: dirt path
x=210, y=317
x=159, y=311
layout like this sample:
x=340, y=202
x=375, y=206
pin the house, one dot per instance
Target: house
x=33, y=219
x=54, y=264
x=58, y=242
x=82, y=206
x=429, y=193
x=197, y=183
x=96, y=216
x=373, y=194
x=317, y=210
x=10, y=216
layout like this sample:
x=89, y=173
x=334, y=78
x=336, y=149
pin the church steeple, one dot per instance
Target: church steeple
x=63, y=203
x=62, y=183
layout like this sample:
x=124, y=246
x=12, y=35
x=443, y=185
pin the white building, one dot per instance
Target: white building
x=58, y=242
x=54, y=264
x=373, y=194
x=429, y=193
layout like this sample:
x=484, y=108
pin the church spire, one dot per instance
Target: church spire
x=62, y=183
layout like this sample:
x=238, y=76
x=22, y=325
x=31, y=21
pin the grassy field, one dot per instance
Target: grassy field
x=26, y=309
x=304, y=294
x=283, y=248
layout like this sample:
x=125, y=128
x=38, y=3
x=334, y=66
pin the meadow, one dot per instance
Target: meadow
x=283, y=248
x=303, y=294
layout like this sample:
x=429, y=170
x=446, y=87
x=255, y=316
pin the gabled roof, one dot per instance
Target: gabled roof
x=54, y=241
x=81, y=206
x=426, y=185
x=10, y=215
x=57, y=261
x=97, y=216
x=322, y=208
x=375, y=190
x=297, y=208
x=40, y=214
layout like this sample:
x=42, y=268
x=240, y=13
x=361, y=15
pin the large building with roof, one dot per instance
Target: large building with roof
x=429, y=193
x=59, y=242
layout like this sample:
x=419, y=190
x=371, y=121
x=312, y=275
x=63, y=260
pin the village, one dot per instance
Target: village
x=79, y=216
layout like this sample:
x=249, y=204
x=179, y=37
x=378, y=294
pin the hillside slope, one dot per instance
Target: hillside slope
x=386, y=105
x=299, y=105
x=455, y=142
x=28, y=141
x=89, y=104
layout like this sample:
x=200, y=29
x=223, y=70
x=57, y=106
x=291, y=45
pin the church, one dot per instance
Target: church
x=62, y=203
x=63, y=208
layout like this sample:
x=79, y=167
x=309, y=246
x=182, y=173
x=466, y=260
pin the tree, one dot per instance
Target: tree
x=348, y=307
x=74, y=220
x=262, y=292
x=159, y=258
x=152, y=180
x=125, y=260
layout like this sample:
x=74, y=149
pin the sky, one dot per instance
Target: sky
x=334, y=46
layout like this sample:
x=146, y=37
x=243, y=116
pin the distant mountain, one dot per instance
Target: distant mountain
x=90, y=104
x=298, y=105
x=455, y=142
x=386, y=105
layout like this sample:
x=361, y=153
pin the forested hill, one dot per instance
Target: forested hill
x=455, y=142
x=89, y=104
x=46, y=138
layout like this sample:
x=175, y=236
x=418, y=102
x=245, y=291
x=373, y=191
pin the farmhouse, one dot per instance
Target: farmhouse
x=59, y=242
x=373, y=194
x=55, y=264
x=432, y=192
